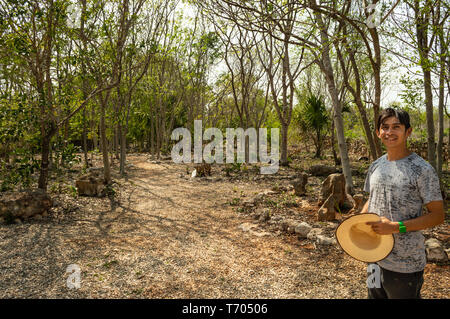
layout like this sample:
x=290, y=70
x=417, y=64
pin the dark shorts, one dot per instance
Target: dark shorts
x=395, y=285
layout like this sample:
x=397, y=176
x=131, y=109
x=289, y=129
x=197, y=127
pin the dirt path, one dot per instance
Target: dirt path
x=168, y=236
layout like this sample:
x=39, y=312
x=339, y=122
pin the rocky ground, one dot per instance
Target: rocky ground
x=163, y=234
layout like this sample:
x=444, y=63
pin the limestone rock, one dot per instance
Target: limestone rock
x=291, y=229
x=248, y=202
x=334, y=184
x=325, y=241
x=166, y=157
x=300, y=184
x=313, y=233
x=435, y=251
x=288, y=225
x=264, y=215
x=332, y=196
x=260, y=234
x=247, y=226
x=303, y=229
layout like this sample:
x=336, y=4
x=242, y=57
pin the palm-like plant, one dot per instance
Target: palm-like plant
x=313, y=116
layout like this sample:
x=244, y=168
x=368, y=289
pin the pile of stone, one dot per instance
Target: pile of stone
x=19, y=206
x=302, y=229
x=91, y=184
x=435, y=251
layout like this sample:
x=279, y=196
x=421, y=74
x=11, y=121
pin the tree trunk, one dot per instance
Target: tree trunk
x=374, y=151
x=110, y=151
x=327, y=68
x=100, y=141
x=152, y=137
x=94, y=131
x=337, y=162
x=430, y=118
x=117, y=136
x=342, y=145
x=422, y=22
x=158, y=135
x=106, y=167
x=48, y=129
x=43, y=176
x=440, y=141
x=84, y=83
x=85, y=146
x=376, y=66
x=317, y=144
x=123, y=150
x=284, y=144
x=163, y=130
x=356, y=92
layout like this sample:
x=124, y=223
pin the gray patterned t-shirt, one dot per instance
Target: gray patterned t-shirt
x=398, y=190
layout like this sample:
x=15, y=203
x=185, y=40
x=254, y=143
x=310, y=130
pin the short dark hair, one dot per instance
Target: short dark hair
x=400, y=114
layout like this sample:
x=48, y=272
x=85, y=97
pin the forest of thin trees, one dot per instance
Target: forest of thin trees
x=87, y=76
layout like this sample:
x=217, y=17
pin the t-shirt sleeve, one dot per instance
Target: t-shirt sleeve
x=428, y=184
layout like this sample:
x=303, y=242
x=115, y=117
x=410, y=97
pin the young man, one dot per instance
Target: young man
x=400, y=183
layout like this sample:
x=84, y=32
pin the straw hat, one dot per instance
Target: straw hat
x=359, y=240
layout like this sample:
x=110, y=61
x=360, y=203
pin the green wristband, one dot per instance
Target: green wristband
x=401, y=227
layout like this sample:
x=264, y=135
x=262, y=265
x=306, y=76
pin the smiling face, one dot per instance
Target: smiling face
x=393, y=134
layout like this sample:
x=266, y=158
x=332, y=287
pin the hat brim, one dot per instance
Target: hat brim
x=359, y=241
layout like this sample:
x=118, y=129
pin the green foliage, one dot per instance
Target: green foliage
x=236, y=167
x=20, y=172
x=353, y=127
x=18, y=142
x=17, y=120
x=412, y=95
x=235, y=201
x=72, y=190
x=414, y=104
x=110, y=191
x=312, y=116
x=67, y=154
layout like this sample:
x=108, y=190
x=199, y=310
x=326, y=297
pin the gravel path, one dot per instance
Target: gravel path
x=168, y=236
